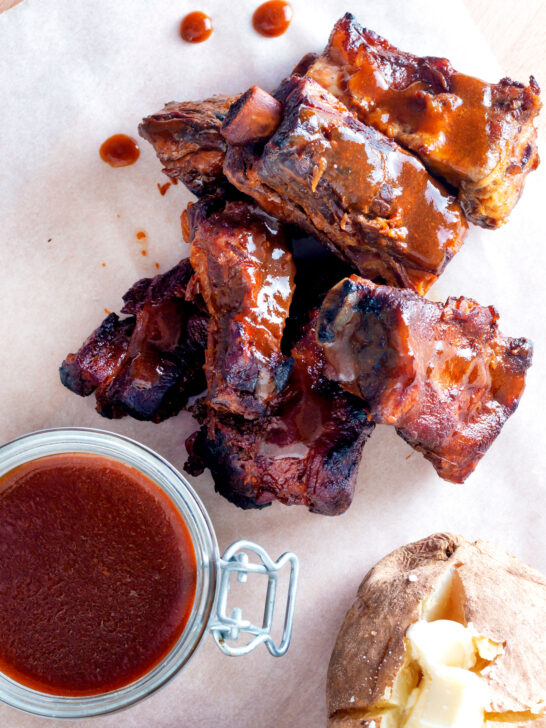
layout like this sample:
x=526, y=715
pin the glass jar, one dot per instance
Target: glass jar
x=213, y=576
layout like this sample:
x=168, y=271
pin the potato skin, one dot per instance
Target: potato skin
x=504, y=598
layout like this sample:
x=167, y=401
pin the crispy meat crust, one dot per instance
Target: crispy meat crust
x=246, y=277
x=503, y=598
x=150, y=363
x=480, y=137
x=306, y=453
x=369, y=201
x=443, y=375
x=187, y=140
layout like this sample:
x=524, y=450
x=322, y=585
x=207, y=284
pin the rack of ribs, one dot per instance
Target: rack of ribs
x=442, y=374
x=272, y=426
x=368, y=200
x=478, y=136
x=148, y=364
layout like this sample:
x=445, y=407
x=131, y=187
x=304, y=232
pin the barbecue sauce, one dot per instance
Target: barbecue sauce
x=272, y=18
x=196, y=27
x=119, y=150
x=98, y=574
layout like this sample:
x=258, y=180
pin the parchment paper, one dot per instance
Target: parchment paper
x=72, y=74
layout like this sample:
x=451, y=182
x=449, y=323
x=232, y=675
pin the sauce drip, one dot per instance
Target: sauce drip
x=272, y=18
x=119, y=150
x=196, y=27
x=100, y=578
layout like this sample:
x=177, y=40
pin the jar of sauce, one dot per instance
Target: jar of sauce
x=110, y=575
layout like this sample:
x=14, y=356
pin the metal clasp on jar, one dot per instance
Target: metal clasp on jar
x=225, y=628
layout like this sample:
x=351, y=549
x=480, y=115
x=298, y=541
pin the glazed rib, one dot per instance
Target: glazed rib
x=442, y=374
x=246, y=277
x=368, y=200
x=306, y=453
x=148, y=364
x=187, y=140
x=480, y=137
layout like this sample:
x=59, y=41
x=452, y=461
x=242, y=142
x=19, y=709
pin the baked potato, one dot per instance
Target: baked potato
x=374, y=677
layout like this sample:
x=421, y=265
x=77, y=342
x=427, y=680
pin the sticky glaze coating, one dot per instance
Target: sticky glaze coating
x=246, y=277
x=272, y=18
x=356, y=190
x=196, y=27
x=148, y=364
x=442, y=374
x=478, y=136
x=100, y=579
x=119, y=150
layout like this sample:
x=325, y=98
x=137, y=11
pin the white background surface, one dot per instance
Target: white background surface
x=72, y=74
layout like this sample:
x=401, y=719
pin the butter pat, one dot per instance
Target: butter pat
x=449, y=694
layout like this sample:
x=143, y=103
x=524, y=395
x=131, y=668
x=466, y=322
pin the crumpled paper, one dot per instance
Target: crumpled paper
x=71, y=75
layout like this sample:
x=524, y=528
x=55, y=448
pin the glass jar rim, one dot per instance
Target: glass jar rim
x=42, y=443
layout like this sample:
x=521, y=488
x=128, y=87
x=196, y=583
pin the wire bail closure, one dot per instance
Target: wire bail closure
x=224, y=628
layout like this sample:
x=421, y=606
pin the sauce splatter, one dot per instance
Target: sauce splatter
x=103, y=265
x=144, y=252
x=119, y=150
x=141, y=235
x=163, y=188
x=107, y=311
x=196, y=27
x=272, y=18
x=156, y=266
x=185, y=225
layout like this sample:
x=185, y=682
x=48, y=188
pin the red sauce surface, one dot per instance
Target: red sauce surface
x=97, y=574
x=272, y=18
x=119, y=150
x=196, y=27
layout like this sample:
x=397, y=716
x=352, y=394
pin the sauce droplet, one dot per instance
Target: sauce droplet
x=272, y=18
x=141, y=235
x=119, y=150
x=163, y=188
x=196, y=27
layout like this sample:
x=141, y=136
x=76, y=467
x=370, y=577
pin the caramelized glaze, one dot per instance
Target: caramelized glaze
x=452, y=126
x=478, y=136
x=246, y=276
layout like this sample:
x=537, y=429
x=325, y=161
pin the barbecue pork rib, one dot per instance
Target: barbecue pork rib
x=306, y=453
x=442, y=374
x=148, y=364
x=246, y=277
x=480, y=137
x=187, y=140
x=357, y=191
